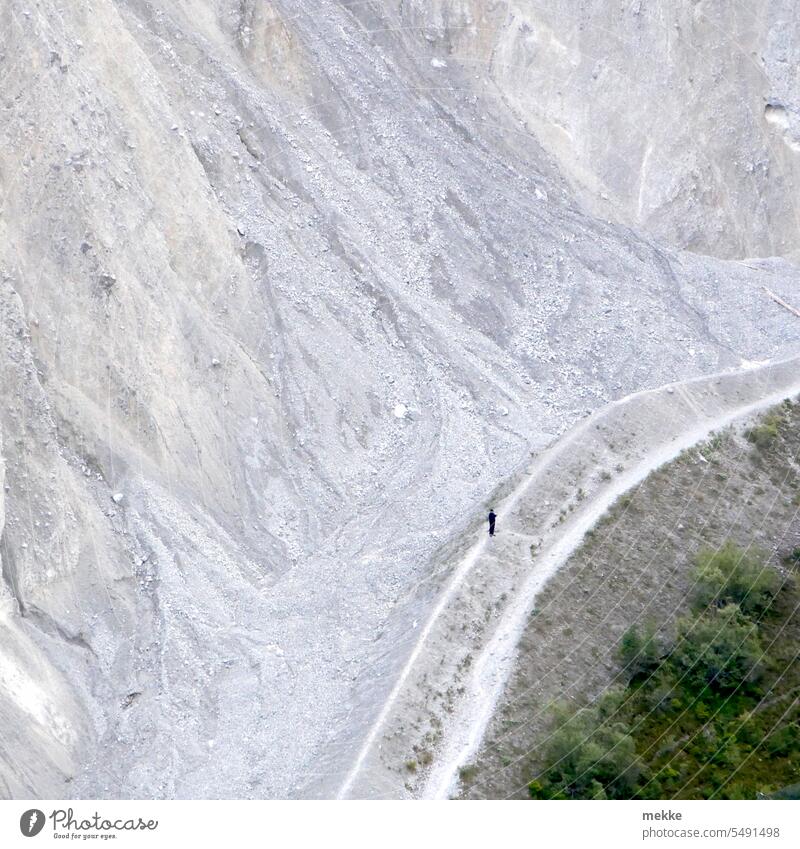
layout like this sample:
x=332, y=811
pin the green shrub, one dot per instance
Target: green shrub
x=783, y=741
x=719, y=650
x=639, y=652
x=763, y=434
x=591, y=755
x=732, y=575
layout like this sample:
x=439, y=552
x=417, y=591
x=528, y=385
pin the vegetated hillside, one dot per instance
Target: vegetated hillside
x=282, y=295
x=662, y=661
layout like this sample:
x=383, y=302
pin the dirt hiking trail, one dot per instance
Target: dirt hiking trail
x=435, y=716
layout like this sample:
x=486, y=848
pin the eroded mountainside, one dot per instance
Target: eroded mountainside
x=284, y=293
x=680, y=117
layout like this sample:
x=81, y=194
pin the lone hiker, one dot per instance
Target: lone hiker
x=492, y=517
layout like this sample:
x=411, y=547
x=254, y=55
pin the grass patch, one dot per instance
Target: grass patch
x=468, y=772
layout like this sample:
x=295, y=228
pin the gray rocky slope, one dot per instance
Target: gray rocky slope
x=285, y=291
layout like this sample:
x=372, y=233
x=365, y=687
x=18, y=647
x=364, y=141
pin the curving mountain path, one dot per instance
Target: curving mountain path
x=445, y=695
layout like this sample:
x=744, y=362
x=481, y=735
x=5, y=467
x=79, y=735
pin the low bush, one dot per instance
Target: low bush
x=639, y=651
x=731, y=575
x=763, y=434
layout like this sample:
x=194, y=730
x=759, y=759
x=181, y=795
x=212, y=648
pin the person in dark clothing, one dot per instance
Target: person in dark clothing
x=492, y=517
